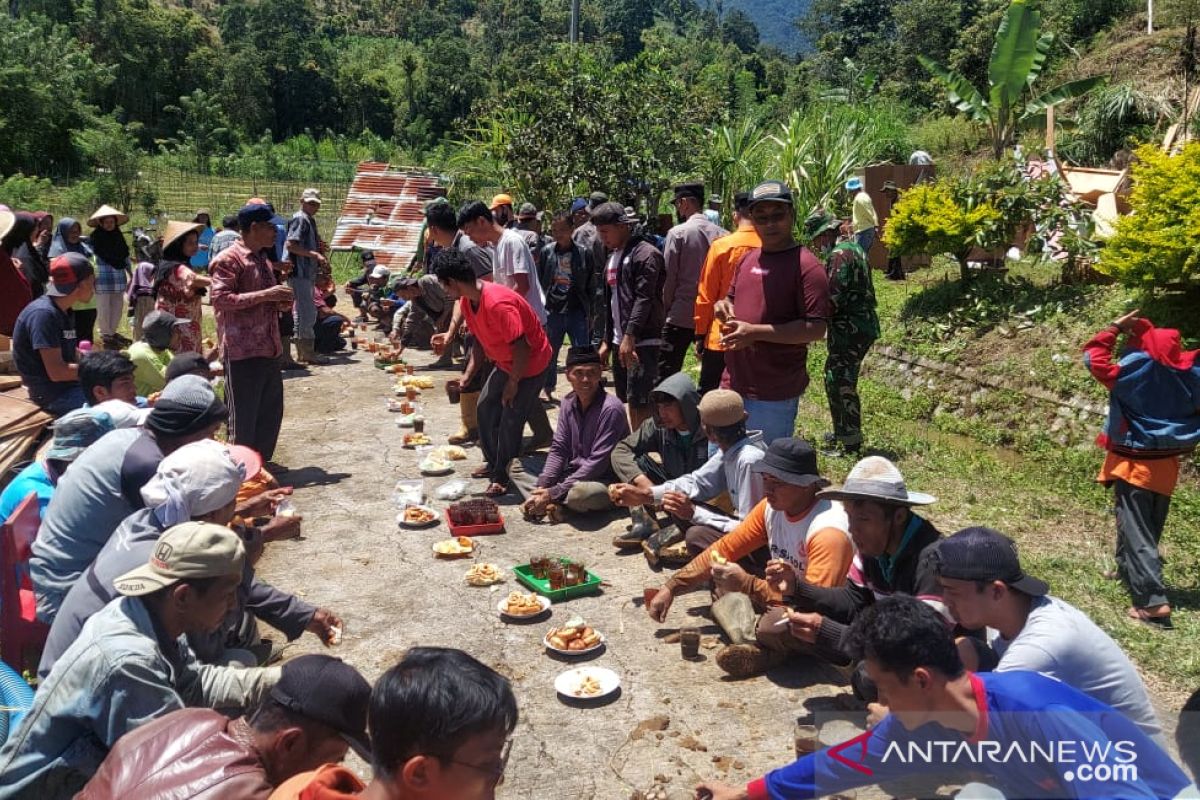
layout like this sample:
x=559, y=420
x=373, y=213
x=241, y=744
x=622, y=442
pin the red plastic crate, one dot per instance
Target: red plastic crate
x=486, y=529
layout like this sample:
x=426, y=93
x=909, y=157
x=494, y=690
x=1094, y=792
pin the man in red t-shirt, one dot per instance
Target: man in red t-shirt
x=512, y=336
x=778, y=304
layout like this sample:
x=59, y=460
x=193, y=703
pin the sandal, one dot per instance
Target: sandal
x=495, y=490
x=482, y=472
x=1161, y=621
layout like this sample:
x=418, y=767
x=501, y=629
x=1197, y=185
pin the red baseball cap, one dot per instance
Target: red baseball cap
x=66, y=272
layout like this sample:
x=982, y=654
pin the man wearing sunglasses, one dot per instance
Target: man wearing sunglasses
x=441, y=725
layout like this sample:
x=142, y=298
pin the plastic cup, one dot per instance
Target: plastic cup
x=418, y=424
x=807, y=739
x=648, y=594
x=557, y=575
x=689, y=642
x=453, y=391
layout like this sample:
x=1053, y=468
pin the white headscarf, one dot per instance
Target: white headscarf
x=195, y=480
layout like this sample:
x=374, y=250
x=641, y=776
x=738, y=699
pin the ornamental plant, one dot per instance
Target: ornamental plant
x=930, y=219
x=1159, y=244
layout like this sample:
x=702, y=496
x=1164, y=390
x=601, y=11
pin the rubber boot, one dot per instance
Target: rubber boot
x=468, y=407
x=287, y=361
x=307, y=354
x=735, y=614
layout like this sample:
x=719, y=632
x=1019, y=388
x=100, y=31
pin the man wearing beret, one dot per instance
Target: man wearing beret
x=247, y=300
x=684, y=253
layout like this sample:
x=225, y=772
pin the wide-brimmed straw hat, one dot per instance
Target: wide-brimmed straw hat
x=876, y=478
x=176, y=230
x=106, y=211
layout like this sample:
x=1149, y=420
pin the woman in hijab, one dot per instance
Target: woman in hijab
x=200, y=260
x=112, y=273
x=34, y=266
x=14, y=288
x=45, y=233
x=176, y=286
x=68, y=238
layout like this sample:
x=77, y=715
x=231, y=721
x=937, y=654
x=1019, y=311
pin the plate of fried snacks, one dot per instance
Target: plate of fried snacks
x=458, y=547
x=432, y=465
x=519, y=605
x=573, y=639
x=484, y=575
x=416, y=516
x=416, y=381
x=587, y=683
x=449, y=452
x=414, y=440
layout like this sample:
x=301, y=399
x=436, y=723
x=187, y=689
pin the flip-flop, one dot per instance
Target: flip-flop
x=1162, y=622
x=481, y=472
x=495, y=490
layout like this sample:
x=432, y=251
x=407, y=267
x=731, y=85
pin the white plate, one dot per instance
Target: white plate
x=449, y=470
x=544, y=602
x=416, y=525
x=592, y=649
x=567, y=682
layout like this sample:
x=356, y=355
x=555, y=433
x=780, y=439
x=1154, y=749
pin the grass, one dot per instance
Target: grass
x=1040, y=493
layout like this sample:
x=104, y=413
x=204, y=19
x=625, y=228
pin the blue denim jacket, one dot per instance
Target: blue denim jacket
x=116, y=676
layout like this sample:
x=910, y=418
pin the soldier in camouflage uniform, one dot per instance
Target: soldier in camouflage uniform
x=853, y=326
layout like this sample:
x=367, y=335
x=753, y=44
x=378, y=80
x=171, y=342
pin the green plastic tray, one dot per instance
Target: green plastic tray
x=542, y=587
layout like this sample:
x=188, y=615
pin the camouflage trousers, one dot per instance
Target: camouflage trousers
x=846, y=354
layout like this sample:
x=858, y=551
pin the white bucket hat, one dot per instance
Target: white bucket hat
x=876, y=478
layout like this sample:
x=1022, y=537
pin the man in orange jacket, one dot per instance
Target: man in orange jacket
x=724, y=255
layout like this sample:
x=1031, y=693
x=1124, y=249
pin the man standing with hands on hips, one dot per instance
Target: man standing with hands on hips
x=247, y=300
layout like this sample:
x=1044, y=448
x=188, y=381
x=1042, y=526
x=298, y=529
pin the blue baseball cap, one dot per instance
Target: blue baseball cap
x=77, y=430
x=578, y=204
x=854, y=184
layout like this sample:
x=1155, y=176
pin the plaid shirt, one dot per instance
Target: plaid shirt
x=110, y=279
x=247, y=325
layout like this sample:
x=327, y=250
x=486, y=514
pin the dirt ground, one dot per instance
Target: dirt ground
x=673, y=721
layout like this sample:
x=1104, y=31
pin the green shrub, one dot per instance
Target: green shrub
x=1159, y=244
x=22, y=192
x=948, y=136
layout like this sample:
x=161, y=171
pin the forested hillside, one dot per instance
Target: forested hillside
x=239, y=87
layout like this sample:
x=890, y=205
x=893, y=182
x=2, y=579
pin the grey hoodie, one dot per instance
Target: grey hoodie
x=679, y=457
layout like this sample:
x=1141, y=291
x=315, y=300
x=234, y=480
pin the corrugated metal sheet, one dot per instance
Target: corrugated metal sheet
x=384, y=211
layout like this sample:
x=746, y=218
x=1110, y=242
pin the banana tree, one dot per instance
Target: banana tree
x=1018, y=58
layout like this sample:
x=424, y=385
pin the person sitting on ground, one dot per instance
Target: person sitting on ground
x=579, y=467
x=74, y=432
x=984, y=586
x=441, y=725
x=673, y=434
x=356, y=286
x=107, y=375
x=723, y=418
x=1152, y=420
x=197, y=482
x=43, y=337
x=327, y=332
x=894, y=556
x=380, y=303
x=512, y=336
x=808, y=541
x=153, y=352
x=938, y=706
x=426, y=311
x=313, y=716
x=128, y=666
x=104, y=486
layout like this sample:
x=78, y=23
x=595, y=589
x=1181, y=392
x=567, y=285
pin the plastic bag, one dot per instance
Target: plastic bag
x=451, y=490
x=409, y=493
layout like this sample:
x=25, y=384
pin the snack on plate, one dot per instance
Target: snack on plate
x=484, y=575
x=522, y=605
x=573, y=637
x=420, y=440
x=416, y=515
x=450, y=452
x=434, y=464
x=417, y=381
x=588, y=687
x=458, y=546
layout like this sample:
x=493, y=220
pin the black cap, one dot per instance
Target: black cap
x=582, y=355
x=792, y=461
x=693, y=190
x=186, y=364
x=330, y=691
x=983, y=554
x=596, y=199
x=612, y=214
x=741, y=201
x=771, y=192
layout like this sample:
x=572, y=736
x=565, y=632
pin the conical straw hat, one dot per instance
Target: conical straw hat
x=106, y=211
